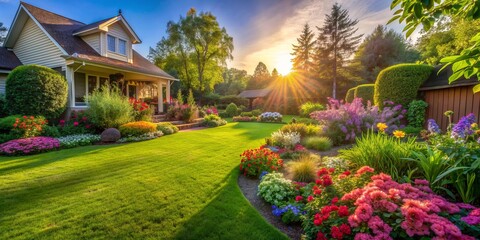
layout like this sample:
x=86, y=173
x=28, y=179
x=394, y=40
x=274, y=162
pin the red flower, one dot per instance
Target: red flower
x=320, y=236
x=310, y=198
x=298, y=198
x=75, y=124
x=335, y=200
x=322, y=172
x=346, y=173
x=343, y=211
x=344, y=228
x=327, y=180
x=336, y=233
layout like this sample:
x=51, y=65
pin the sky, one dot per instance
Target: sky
x=262, y=30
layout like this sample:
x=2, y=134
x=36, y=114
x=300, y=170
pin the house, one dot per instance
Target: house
x=442, y=96
x=88, y=55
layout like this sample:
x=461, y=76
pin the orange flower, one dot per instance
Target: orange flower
x=399, y=134
x=381, y=126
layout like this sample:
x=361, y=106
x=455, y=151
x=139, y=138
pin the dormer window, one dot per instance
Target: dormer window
x=122, y=46
x=111, y=43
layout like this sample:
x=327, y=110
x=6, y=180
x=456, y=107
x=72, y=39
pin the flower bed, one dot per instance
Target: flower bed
x=26, y=146
x=143, y=137
x=255, y=161
x=78, y=140
x=244, y=119
x=270, y=117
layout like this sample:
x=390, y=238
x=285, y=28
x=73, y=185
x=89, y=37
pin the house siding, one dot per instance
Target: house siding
x=117, y=30
x=94, y=41
x=34, y=47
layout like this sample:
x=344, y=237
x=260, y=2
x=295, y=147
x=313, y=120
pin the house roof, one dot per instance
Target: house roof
x=92, y=25
x=8, y=60
x=258, y=93
x=439, y=80
x=61, y=29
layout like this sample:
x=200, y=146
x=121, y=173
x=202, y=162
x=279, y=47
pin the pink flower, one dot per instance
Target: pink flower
x=298, y=198
x=471, y=220
x=378, y=226
x=75, y=124
x=421, y=182
x=364, y=212
x=363, y=236
x=364, y=170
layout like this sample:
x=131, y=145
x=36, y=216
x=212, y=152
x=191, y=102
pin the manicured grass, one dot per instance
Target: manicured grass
x=182, y=186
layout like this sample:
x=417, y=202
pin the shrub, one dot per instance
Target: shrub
x=213, y=121
x=309, y=107
x=3, y=106
x=275, y=189
x=79, y=123
x=28, y=126
x=384, y=153
x=365, y=92
x=318, y=143
x=303, y=169
x=78, y=140
x=350, y=95
x=400, y=83
x=244, y=119
x=135, y=129
x=256, y=112
x=416, y=113
x=36, y=90
x=412, y=130
x=225, y=100
x=211, y=98
x=337, y=163
x=286, y=140
x=246, y=114
x=231, y=110
x=301, y=128
x=270, y=117
x=141, y=110
x=185, y=112
x=211, y=110
x=6, y=123
x=167, y=128
x=5, y=137
x=27, y=146
x=142, y=137
x=109, y=108
x=255, y=161
x=50, y=131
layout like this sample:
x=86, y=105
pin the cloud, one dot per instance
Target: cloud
x=277, y=29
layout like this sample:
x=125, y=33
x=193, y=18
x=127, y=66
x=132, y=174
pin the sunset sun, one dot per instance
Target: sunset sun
x=283, y=64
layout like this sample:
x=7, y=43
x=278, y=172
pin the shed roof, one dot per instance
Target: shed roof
x=257, y=93
x=439, y=80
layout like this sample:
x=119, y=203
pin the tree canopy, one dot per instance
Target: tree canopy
x=303, y=51
x=261, y=77
x=234, y=82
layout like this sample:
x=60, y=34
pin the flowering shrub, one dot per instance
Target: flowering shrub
x=143, y=137
x=213, y=121
x=28, y=126
x=275, y=189
x=270, y=117
x=167, y=128
x=211, y=110
x=27, y=146
x=286, y=140
x=287, y=153
x=289, y=213
x=303, y=129
x=244, y=119
x=463, y=128
x=135, y=129
x=337, y=163
x=78, y=140
x=79, y=123
x=183, y=112
x=141, y=110
x=254, y=161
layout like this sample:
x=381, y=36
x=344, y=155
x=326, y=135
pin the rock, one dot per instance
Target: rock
x=110, y=135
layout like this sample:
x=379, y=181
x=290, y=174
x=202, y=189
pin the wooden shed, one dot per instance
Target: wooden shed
x=442, y=96
x=254, y=94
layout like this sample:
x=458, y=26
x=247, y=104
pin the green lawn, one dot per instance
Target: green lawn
x=182, y=186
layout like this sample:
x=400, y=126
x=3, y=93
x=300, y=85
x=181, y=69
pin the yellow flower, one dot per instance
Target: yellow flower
x=381, y=126
x=474, y=125
x=399, y=134
x=477, y=132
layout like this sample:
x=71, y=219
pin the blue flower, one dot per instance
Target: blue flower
x=433, y=126
x=263, y=174
x=463, y=127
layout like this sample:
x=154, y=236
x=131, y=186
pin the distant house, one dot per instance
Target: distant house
x=88, y=55
x=442, y=96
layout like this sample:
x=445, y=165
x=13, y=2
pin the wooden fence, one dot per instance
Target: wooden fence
x=461, y=100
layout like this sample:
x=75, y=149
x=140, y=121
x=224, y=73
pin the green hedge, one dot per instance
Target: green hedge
x=350, y=94
x=400, y=83
x=36, y=90
x=365, y=92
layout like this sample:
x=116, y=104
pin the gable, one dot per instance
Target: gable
x=34, y=47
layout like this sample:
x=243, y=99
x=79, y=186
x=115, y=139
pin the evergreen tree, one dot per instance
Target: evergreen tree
x=303, y=51
x=335, y=43
x=261, y=77
x=275, y=74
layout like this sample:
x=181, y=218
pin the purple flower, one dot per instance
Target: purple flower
x=472, y=220
x=31, y=145
x=433, y=126
x=462, y=129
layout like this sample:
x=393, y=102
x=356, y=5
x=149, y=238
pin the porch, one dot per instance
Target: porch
x=83, y=79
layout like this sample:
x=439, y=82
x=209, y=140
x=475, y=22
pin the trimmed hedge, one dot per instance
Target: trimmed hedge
x=36, y=90
x=225, y=100
x=350, y=94
x=365, y=92
x=400, y=83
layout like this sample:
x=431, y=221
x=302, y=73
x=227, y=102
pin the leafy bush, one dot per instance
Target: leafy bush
x=416, y=113
x=246, y=114
x=5, y=137
x=26, y=146
x=28, y=126
x=303, y=129
x=135, y=129
x=167, y=128
x=275, y=189
x=213, y=121
x=143, y=137
x=350, y=95
x=3, y=106
x=270, y=117
x=400, y=83
x=365, y=92
x=255, y=161
x=307, y=121
x=384, y=153
x=79, y=123
x=286, y=140
x=303, y=169
x=141, y=110
x=318, y=143
x=185, y=112
x=78, y=140
x=231, y=110
x=225, y=100
x=108, y=108
x=50, y=131
x=6, y=123
x=309, y=107
x=36, y=90
x=412, y=130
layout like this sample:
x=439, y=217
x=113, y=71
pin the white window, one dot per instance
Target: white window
x=85, y=85
x=122, y=46
x=111, y=43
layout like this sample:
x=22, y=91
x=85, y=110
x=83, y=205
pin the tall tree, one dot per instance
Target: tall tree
x=275, y=74
x=3, y=33
x=261, y=77
x=196, y=48
x=303, y=51
x=381, y=49
x=234, y=82
x=336, y=41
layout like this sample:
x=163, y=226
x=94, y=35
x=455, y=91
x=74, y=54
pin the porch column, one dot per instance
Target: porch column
x=69, y=75
x=160, y=96
x=168, y=91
